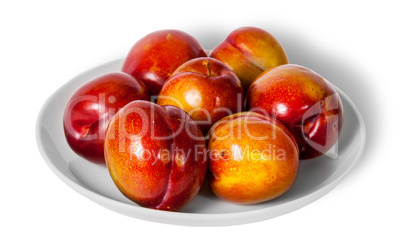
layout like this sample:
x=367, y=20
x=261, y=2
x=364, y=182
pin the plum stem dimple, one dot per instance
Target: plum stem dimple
x=85, y=131
x=207, y=64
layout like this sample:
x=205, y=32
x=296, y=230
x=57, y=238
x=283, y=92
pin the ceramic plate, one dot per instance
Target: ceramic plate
x=315, y=178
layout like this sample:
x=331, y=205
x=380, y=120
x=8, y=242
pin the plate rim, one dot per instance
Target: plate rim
x=192, y=219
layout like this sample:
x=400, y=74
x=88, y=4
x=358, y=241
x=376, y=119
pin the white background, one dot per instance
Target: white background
x=354, y=44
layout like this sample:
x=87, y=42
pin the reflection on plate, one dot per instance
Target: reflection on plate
x=316, y=177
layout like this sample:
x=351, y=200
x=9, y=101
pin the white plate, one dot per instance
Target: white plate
x=316, y=177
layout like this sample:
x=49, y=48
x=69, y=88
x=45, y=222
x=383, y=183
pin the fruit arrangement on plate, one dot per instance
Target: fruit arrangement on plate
x=240, y=117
